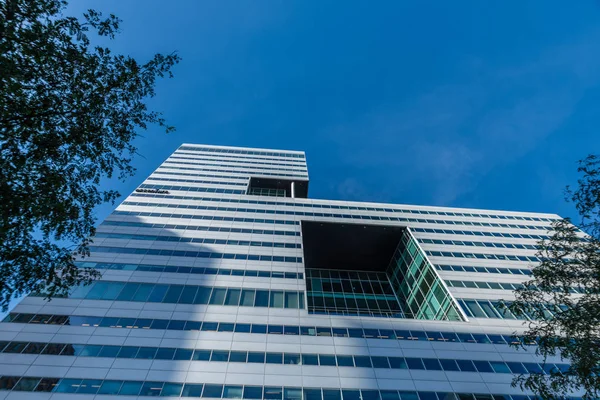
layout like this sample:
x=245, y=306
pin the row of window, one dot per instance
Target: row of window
x=240, y=151
x=484, y=285
x=342, y=274
x=292, y=203
x=211, y=182
x=233, y=161
x=257, y=191
x=312, y=214
x=271, y=329
x=221, y=157
x=206, y=217
x=256, y=357
x=492, y=309
x=191, y=270
x=497, y=245
x=163, y=389
x=482, y=256
x=356, y=305
x=188, y=294
x=490, y=270
x=478, y=233
x=198, y=240
x=191, y=189
x=195, y=254
x=506, y=286
x=255, y=170
x=232, y=171
x=201, y=228
x=154, y=174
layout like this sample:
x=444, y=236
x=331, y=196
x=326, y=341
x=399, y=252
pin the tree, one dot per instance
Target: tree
x=559, y=321
x=68, y=114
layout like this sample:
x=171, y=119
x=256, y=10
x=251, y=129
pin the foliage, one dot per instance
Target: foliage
x=68, y=114
x=570, y=259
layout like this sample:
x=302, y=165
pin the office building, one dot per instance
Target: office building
x=222, y=278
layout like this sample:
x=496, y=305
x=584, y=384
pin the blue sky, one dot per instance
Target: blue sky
x=465, y=104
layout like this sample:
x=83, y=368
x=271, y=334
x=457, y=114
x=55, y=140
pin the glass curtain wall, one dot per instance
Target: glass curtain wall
x=421, y=292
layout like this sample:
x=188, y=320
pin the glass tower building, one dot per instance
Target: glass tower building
x=223, y=279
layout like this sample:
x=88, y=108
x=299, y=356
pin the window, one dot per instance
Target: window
x=380, y=362
x=253, y=392
x=362, y=361
x=262, y=298
x=432, y=364
x=310, y=359
x=292, y=394
x=449, y=365
x=212, y=391
x=466, y=365
x=130, y=388
x=255, y=357
x=232, y=392
x=291, y=358
x=327, y=360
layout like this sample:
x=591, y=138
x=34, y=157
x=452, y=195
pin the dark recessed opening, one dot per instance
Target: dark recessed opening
x=371, y=270
x=355, y=247
x=278, y=187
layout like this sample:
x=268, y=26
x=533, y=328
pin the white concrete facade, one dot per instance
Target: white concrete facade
x=209, y=183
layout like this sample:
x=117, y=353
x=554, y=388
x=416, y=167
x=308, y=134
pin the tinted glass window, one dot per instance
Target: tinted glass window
x=432, y=364
x=466, y=365
x=212, y=391
x=345, y=361
x=232, y=392
x=415, y=363
x=192, y=390
x=449, y=365
x=253, y=392
x=290, y=358
x=327, y=359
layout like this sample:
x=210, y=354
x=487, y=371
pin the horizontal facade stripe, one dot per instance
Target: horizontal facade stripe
x=248, y=173
x=307, y=213
x=212, y=182
x=237, y=161
x=250, y=169
x=270, y=329
x=225, y=157
x=241, y=151
x=187, y=294
x=191, y=270
x=479, y=233
x=159, y=173
x=501, y=286
x=482, y=269
x=178, y=239
x=256, y=357
x=193, y=254
x=482, y=256
x=492, y=309
x=191, y=189
x=298, y=203
x=200, y=228
x=207, y=217
x=232, y=391
x=470, y=243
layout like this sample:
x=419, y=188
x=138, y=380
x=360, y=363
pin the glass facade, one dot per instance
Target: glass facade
x=410, y=288
x=351, y=293
x=255, y=191
x=414, y=279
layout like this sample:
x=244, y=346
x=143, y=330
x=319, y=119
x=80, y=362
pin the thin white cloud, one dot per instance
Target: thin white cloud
x=451, y=137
